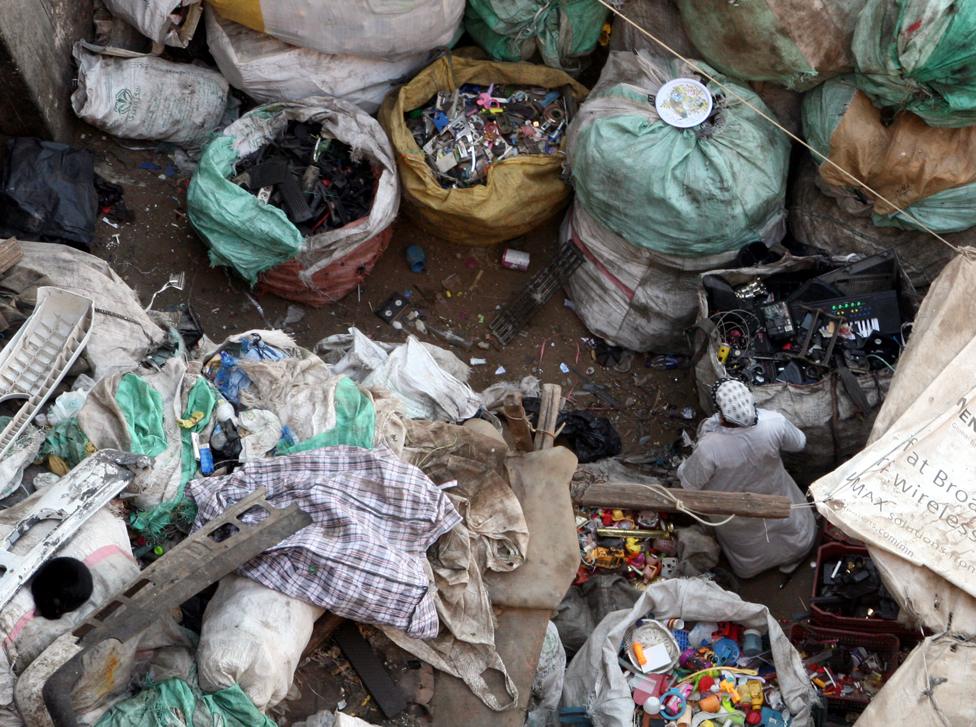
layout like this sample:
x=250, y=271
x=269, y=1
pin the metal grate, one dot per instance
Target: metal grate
x=517, y=312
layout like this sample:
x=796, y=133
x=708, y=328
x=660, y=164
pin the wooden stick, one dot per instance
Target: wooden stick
x=633, y=496
x=548, y=414
x=322, y=632
x=518, y=423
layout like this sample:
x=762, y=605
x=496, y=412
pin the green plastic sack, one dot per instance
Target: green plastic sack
x=699, y=191
x=201, y=398
x=174, y=703
x=919, y=55
x=564, y=32
x=241, y=231
x=142, y=407
x=355, y=422
x=67, y=441
x=928, y=172
x=953, y=210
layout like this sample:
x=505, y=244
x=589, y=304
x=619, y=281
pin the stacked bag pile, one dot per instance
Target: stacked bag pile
x=308, y=61
x=333, y=62
x=889, y=91
x=657, y=203
x=902, y=122
x=884, y=89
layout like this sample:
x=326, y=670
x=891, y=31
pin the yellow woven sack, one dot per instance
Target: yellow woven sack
x=519, y=193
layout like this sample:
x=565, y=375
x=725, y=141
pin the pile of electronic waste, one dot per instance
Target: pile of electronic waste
x=311, y=176
x=796, y=327
x=463, y=133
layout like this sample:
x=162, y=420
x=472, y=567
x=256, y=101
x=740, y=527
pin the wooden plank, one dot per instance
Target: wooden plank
x=518, y=423
x=322, y=632
x=634, y=496
x=384, y=691
x=545, y=428
x=10, y=254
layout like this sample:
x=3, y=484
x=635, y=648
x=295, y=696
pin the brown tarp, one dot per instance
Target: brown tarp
x=842, y=224
x=905, y=161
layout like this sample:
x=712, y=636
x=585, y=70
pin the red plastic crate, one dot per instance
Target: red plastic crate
x=822, y=617
x=887, y=646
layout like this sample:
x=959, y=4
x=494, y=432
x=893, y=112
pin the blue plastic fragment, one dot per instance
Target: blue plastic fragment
x=681, y=636
x=287, y=437
x=206, y=460
x=441, y=121
x=550, y=97
x=726, y=652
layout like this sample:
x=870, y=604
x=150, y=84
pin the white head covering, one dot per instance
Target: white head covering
x=736, y=402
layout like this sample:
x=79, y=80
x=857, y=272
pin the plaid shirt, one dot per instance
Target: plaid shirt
x=363, y=556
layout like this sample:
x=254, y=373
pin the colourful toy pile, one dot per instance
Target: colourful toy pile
x=708, y=675
x=843, y=672
x=638, y=545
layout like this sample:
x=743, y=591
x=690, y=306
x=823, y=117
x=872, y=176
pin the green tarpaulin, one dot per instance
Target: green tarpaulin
x=174, y=703
x=202, y=398
x=67, y=441
x=142, y=407
x=564, y=32
x=241, y=231
x=355, y=422
x=919, y=55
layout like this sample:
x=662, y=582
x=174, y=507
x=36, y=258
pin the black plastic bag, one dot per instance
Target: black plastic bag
x=47, y=192
x=590, y=437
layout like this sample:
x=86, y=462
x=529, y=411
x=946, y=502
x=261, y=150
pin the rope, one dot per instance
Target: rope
x=533, y=430
x=681, y=507
x=929, y=691
x=967, y=251
x=547, y=433
x=434, y=450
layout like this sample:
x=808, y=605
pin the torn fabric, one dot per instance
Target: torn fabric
x=494, y=536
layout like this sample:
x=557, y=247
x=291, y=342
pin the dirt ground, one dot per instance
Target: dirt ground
x=160, y=242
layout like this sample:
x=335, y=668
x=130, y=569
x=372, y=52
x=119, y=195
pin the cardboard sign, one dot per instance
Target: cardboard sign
x=913, y=492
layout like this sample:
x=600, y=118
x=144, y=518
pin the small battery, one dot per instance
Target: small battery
x=515, y=259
